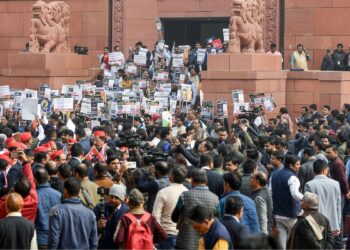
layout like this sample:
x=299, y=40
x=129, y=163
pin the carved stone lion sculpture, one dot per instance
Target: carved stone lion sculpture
x=49, y=27
x=246, y=26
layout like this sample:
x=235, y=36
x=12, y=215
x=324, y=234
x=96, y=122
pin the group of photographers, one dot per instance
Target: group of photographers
x=122, y=165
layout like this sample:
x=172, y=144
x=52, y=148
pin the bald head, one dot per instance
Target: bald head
x=260, y=179
x=81, y=171
x=14, y=203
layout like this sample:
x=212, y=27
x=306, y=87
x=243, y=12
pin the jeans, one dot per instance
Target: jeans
x=284, y=227
x=169, y=243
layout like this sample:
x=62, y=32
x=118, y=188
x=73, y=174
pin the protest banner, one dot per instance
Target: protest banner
x=159, y=25
x=45, y=105
x=237, y=96
x=201, y=53
x=140, y=59
x=239, y=108
x=178, y=60
x=64, y=105
x=31, y=94
x=256, y=99
x=161, y=75
x=115, y=57
x=186, y=92
x=167, y=119
x=5, y=91
x=8, y=104
x=31, y=109
x=269, y=103
x=221, y=109
x=226, y=34
x=131, y=69
x=43, y=88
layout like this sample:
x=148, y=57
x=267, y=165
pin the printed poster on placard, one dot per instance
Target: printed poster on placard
x=115, y=57
x=256, y=99
x=64, y=105
x=269, y=103
x=140, y=59
x=161, y=75
x=226, y=33
x=237, y=96
x=5, y=91
x=221, y=109
x=201, y=55
x=42, y=89
x=239, y=108
x=178, y=60
x=131, y=69
x=31, y=94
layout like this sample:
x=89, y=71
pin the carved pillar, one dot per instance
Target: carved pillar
x=118, y=23
x=271, y=23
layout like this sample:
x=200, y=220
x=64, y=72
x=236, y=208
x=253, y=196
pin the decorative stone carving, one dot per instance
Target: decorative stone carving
x=49, y=27
x=271, y=22
x=118, y=23
x=247, y=26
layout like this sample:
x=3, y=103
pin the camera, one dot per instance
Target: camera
x=128, y=139
x=102, y=191
x=153, y=155
x=81, y=50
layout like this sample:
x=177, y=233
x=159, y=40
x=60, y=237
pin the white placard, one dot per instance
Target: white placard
x=178, y=60
x=201, y=55
x=226, y=33
x=63, y=104
x=269, y=104
x=115, y=57
x=5, y=91
x=31, y=109
x=239, y=108
x=140, y=59
x=132, y=69
x=237, y=96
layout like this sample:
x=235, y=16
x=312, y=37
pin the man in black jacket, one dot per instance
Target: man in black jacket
x=231, y=220
x=215, y=181
x=16, y=232
x=312, y=230
x=338, y=57
x=327, y=62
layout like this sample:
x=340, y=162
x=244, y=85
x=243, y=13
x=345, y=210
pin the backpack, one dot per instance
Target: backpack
x=139, y=233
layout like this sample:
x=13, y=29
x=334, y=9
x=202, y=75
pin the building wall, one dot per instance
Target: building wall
x=88, y=26
x=318, y=24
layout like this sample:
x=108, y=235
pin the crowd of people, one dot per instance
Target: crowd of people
x=120, y=181
x=201, y=184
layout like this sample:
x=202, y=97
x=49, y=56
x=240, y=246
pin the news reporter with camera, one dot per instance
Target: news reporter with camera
x=108, y=213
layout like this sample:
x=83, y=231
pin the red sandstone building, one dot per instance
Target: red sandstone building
x=318, y=24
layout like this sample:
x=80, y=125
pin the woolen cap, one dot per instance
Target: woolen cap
x=135, y=196
x=118, y=191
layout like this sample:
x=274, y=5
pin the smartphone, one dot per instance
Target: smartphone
x=131, y=164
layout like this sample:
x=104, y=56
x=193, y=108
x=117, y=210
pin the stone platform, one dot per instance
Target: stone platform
x=263, y=74
x=28, y=70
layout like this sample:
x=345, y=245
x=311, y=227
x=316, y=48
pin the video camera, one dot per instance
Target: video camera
x=81, y=50
x=250, y=115
x=128, y=139
x=153, y=155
